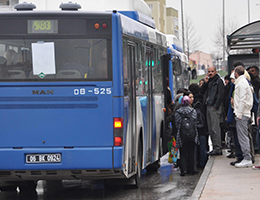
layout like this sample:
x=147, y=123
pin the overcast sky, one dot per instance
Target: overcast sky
x=206, y=14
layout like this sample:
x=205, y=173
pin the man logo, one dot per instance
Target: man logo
x=42, y=92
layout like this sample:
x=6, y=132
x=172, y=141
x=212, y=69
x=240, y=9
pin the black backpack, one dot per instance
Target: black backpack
x=187, y=127
x=255, y=100
x=200, y=116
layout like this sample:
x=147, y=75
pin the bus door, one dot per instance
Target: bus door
x=165, y=67
x=132, y=107
x=149, y=84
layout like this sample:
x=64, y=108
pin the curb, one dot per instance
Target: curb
x=203, y=179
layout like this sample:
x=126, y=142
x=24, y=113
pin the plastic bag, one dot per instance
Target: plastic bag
x=173, y=151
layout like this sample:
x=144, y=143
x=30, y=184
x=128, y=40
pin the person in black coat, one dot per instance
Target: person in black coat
x=213, y=91
x=202, y=128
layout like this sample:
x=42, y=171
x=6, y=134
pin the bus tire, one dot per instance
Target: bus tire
x=157, y=164
x=164, y=141
x=28, y=186
x=137, y=176
x=8, y=188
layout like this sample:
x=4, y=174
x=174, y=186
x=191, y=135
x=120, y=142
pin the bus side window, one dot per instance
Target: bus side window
x=138, y=70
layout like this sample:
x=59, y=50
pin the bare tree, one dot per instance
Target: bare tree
x=192, y=41
x=230, y=27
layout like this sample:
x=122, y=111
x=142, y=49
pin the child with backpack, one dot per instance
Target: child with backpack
x=187, y=136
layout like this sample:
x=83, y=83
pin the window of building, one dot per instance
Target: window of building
x=176, y=24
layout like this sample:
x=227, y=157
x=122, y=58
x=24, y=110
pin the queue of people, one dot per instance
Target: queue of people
x=201, y=110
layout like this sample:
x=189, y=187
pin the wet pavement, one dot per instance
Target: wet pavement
x=224, y=181
x=166, y=184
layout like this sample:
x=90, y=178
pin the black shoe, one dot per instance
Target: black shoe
x=177, y=164
x=215, y=153
x=200, y=167
x=253, y=160
x=231, y=155
x=233, y=163
x=194, y=172
x=183, y=173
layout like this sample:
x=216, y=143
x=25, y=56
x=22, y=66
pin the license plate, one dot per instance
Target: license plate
x=43, y=158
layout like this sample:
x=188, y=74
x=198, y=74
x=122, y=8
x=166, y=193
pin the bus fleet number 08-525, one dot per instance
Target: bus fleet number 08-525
x=96, y=91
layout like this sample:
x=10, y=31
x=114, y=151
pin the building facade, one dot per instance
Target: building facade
x=203, y=60
x=172, y=22
x=166, y=19
x=7, y=5
x=158, y=8
x=156, y=13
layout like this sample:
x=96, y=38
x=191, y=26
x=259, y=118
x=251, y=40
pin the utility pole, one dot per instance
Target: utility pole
x=182, y=22
x=248, y=11
x=224, y=46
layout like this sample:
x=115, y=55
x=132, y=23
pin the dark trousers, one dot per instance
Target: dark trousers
x=187, y=157
x=202, y=157
x=258, y=137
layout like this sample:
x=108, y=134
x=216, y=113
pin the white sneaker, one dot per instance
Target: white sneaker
x=256, y=167
x=244, y=163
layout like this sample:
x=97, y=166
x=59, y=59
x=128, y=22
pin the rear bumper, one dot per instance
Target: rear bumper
x=76, y=163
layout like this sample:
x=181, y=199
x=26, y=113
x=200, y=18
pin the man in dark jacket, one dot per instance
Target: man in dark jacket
x=255, y=80
x=213, y=91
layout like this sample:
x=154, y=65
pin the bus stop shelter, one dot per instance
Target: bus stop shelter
x=244, y=44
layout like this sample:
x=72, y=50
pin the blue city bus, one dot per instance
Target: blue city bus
x=179, y=75
x=81, y=95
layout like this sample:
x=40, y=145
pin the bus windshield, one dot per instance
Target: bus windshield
x=58, y=59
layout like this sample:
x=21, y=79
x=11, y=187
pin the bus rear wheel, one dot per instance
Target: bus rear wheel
x=28, y=186
x=137, y=176
x=157, y=164
x=9, y=188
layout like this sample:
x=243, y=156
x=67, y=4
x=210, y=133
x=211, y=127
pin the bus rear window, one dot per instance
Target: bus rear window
x=56, y=59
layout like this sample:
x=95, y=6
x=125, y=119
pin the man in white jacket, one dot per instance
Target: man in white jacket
x=243, y=102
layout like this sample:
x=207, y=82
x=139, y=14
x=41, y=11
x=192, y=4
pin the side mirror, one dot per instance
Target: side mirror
x=194, y=74
x=176, y=66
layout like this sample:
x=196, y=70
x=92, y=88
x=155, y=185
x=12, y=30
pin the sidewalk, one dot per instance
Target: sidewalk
x=220, y=180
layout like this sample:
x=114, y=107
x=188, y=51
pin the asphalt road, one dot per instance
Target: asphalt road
x=166, y=184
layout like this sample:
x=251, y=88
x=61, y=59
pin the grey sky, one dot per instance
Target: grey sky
x=206, y=14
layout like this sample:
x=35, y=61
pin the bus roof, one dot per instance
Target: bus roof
x=182, y=56
x=144, y=32
x=140, y=30
x=97, y=5
x=136, y=9
x=173, y=41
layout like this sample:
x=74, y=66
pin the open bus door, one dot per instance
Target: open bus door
x=165, y=67
x=176, y=72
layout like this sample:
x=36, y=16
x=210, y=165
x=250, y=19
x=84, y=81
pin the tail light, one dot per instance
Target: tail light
x=118, y=131
x=118, y=141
